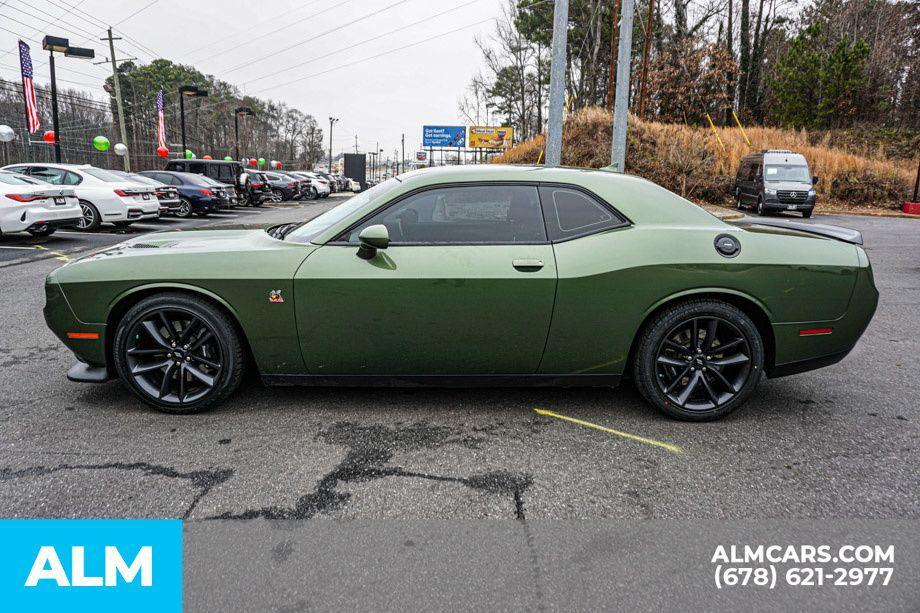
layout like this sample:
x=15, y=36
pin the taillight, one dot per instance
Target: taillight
x=257, y=185
x=121, y=192
x=290, y=185
x=207, y=192
x=25, y=197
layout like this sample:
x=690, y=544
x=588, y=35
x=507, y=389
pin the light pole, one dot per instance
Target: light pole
x=61, y=45
x=242, y=110
x=332, y=122
x=191, y=91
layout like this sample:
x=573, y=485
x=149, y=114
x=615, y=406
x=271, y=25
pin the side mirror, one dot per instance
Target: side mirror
x=373, y=238
x=814, y=181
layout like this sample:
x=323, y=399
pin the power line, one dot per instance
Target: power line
x=363, y=42
x=137, y=12
x=316, y=37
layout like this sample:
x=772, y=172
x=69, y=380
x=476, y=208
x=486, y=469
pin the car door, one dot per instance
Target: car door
x=466, y=286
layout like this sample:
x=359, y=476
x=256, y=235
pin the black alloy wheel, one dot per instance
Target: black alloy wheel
x=178, y=353
x=699, y=360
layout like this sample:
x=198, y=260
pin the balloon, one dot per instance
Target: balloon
x=120, y=149
x=227, y=158
x=273, y=164
x=207, y=157
x=261, y=161
x=279, y=165
x=163, y=152
x=48, y=136
x=6, y=134
x=188, y=154
x=101, y=143
x=253, y=162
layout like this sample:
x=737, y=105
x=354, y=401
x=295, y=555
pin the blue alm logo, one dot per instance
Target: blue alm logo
x=91, y=565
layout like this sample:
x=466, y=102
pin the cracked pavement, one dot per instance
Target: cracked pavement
x=841, y=442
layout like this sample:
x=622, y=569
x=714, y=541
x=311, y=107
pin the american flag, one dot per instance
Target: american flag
x=28, y=89
x=161, y=120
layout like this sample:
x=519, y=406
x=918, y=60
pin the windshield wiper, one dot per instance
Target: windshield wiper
x=283, y=230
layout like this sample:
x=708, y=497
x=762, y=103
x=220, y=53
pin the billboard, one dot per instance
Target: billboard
x=421, y=156
x=491, y=137
x=443, y=136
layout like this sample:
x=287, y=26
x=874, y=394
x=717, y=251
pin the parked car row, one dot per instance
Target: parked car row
x=40, y=198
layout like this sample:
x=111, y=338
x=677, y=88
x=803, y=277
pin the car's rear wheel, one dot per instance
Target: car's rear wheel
x=91, y=219
x=699, y=360
x=178, y=353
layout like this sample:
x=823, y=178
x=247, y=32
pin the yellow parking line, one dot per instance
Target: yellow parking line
x=57, y=254
x=648, y=441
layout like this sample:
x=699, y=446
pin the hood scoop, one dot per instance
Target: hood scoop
x=153, y=245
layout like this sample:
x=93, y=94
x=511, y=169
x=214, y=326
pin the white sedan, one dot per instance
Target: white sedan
x=36, y=207
x=104, y=197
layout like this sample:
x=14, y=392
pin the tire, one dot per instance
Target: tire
x=218, y=357
x=185, y=209
x=91, y=218
x=312, y=194
x=760, y=209
x=719, y=383
x=807, y=214
x=277, y=193
x=42, y=233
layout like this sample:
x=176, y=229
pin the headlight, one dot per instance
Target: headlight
x=811, y=192
x=769, y=191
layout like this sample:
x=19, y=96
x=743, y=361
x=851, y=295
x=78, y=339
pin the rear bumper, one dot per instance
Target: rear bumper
x=797, y=352
x=167, y=206
x=38, y=216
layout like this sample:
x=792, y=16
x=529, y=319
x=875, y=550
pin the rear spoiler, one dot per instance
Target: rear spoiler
x=836, y=232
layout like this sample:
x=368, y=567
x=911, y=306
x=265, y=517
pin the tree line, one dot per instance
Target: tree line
x=827, y=64
x=275, y=131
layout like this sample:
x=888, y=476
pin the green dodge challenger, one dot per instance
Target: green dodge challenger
x=476, y=275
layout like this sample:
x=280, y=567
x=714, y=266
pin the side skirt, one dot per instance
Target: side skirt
x=444, y=380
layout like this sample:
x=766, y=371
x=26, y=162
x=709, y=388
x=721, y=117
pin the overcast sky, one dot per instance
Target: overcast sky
x=378, y=99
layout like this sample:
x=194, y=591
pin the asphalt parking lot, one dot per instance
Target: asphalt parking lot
x=839, y=442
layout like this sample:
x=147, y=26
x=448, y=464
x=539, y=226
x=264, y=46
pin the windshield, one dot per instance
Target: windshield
x=103, y=175
x=787, y=173
x=315, y=226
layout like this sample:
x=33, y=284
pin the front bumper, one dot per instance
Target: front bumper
x=86, y=341
x=772, y=202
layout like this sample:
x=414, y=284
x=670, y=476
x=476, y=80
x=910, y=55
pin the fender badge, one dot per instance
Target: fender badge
x=275, y=296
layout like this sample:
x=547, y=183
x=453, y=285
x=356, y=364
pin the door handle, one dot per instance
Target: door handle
x=527, y=264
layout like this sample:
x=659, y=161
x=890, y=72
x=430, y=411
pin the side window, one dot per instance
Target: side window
x=570, y=213
x=755, y=172
x=493, y=214
x=742, y=171
x=23, y=170
x=72, y=178
x=224, y=172
x=176, y=166
x=55, y=176
x=197, y=167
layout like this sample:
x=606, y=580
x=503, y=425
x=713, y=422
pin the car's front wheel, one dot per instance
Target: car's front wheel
x=91, y=219
x=185, y=209
x=178, y=353
x=698, y=360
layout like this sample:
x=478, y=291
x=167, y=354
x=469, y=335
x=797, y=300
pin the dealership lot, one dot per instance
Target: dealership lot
x=838, y=442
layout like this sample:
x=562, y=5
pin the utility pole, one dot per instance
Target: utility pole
x=403, y=155
x=332, y=122
x=557, y=83
x=621, y=104
x=646, y=49
x=356, y=143
x=613, y=53
x=121, y=110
